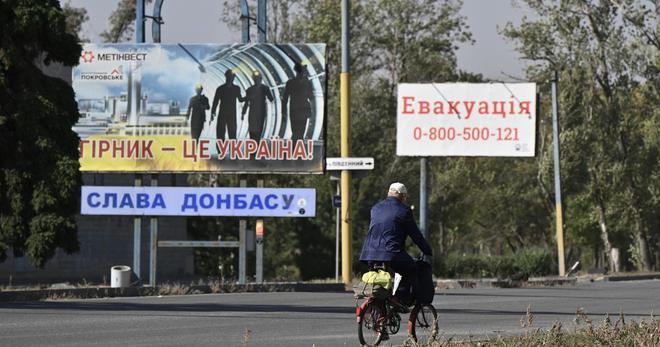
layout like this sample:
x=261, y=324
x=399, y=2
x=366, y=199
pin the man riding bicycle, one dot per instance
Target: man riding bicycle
x=391, y=223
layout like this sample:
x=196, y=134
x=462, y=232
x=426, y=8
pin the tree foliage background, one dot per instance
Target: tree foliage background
x=606, y=56
x=39, y=177
x=606, y=53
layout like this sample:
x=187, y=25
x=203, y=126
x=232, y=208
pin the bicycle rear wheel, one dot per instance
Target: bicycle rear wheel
x=371, y=324
x=423, y=324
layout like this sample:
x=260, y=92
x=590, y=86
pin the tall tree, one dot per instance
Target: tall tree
x=39, y=170
x=279, y=18
x=122, y=22
x=75, y=17
x=604, y=50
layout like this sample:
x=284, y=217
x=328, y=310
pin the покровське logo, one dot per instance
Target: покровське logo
x=116, y=74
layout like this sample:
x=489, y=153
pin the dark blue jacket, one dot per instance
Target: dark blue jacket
x=391, y=222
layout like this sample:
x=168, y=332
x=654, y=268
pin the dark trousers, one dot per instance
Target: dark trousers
x=408, y=272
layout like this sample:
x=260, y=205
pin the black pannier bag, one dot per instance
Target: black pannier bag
x=425, y=288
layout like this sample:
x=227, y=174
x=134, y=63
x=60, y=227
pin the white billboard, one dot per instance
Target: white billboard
x=466, y=119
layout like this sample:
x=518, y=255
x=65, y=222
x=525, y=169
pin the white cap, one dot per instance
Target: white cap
x=399, y=188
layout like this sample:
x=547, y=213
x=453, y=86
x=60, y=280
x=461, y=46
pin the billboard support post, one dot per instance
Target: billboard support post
x=260, y=258
x=242, y=223
x=558, y=207
x=157, y=21
x=242, y=230
x=153, y=243
x=139, y=21
x=262, y=24
x=140, y=27
x=262, y=21
x=423, y=196
x=259, y=273
x=137, y=222
x=245, y=21
x=137, y=237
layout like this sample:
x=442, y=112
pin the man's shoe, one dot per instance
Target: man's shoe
x=384, y=336
x=408, y=303
x=398, y=305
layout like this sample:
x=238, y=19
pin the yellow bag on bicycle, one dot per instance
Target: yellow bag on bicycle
x=375, y=283
x=380, y=277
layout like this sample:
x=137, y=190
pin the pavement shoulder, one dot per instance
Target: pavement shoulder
x=548, y=281
x=172, y=289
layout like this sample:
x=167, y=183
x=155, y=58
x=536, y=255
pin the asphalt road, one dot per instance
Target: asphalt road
x=303, y=319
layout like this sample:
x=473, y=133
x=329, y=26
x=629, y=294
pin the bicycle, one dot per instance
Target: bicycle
x=377, y=318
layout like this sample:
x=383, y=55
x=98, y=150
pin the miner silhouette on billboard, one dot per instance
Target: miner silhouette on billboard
x=225, y=97
x=255, y=100
x=298, y=97
x=197, y=107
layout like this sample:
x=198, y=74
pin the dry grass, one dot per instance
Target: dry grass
x=247, y=336
x=175, y=288
x=645, y=333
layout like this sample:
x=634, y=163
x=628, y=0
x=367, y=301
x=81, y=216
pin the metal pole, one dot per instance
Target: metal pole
x=423, y=196
x=153, y=242
x=262, y=21
x=137, y=222
x=347, y=254
x=153, y=254
x=139, y=21
x=260, y=260
x=242, y=227
x=157, y=21
x=245, y=21
x=337, y=218
x=245, y=12
x=559, y=212
x=260, y=245
x=137, y=237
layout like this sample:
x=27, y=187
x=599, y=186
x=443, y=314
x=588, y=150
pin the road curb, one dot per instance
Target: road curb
x=541, y=281
x=107, y=292
x=633, y=277
x=497, y=283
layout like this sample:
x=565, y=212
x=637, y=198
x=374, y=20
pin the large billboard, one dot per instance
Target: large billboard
x=466, y=119
x=189, y=201
x=242, y=108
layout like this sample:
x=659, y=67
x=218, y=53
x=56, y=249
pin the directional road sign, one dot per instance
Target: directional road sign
x=337, y=164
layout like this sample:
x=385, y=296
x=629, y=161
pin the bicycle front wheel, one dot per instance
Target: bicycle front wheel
x=423, y=324
x=371, y=324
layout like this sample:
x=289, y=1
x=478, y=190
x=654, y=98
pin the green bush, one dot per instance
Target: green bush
x=529, y=262
x=469, y=265
x=502, y=266
x=534, y=262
